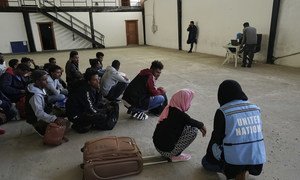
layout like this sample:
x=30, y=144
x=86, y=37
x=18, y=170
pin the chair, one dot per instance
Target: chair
x=258, y=44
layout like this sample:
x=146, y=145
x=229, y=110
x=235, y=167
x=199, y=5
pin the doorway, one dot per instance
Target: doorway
x=132, y=32
x=125, y=2
x=47, y=36
x=3, y=3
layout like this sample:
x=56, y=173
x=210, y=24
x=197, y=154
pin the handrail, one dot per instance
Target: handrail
x=72, y=3
x=74, y=22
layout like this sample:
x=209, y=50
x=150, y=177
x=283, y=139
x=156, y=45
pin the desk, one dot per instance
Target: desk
x=231, y=55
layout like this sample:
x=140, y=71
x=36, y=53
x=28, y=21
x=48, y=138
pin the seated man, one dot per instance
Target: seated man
x=142, y=95
x=236, y=143
x=2, y=64
x=13, y=63
x=85, y=107
x=6, y=108
x=52, y=61
x=96, y=66
x=55, y=91
x=99, y=56
x=38, y=110
x=13, y=85
x=112, y=83
x=28, y=62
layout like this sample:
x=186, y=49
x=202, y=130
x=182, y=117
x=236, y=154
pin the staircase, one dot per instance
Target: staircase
x=70, y=22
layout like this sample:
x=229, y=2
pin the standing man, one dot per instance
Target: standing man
x=72, y=69
x=248, y=44
x=193, y=30
x=142, y=95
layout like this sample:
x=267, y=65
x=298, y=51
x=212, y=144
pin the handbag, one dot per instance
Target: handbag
x=54, y=134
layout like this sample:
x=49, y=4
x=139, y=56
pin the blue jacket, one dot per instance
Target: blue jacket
x=11, y=86
x=243, y=142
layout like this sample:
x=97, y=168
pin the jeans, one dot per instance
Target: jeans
x=55, y=98
x=116, y=91
x=155, y=101
x=248, y=53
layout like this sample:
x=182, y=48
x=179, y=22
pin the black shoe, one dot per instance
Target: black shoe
x=189, y=51
x=249, y=65
x=243, y=65
x=81, y=130
x=129, y=111
x=39, y=131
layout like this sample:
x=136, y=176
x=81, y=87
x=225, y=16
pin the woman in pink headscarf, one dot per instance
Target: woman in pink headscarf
x=176, y=130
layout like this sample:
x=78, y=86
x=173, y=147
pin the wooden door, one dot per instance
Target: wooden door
x=47, y=36
x=132, y=32
x=125, y=2
x=3, y=3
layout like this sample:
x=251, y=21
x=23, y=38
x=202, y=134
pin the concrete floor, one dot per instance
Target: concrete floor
x=276, y=89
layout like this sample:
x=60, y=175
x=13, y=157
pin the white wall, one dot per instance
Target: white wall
x=12, y=29
x=112, y=25
x=165, y=17
x=220, y=20
x=288, y=38
x=63, y=37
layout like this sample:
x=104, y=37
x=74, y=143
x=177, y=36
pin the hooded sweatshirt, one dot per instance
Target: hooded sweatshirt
x=140, y=89
x=38, y=104
x=229, y=90
x=109, y=79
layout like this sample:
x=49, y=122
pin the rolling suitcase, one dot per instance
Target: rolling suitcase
x=111, y=157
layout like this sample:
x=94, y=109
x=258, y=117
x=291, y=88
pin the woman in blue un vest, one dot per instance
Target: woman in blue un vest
x=236, y=145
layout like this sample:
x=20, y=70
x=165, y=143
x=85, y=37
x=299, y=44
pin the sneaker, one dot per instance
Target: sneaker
x=181, y=157
x=80, y=129
x=140, y=116
x=129, y=111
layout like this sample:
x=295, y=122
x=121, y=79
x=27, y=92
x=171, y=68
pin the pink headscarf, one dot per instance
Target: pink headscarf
x=180, y=100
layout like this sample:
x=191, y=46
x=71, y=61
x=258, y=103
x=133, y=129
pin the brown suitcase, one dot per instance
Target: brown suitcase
x=111, y=157
x=54, y=134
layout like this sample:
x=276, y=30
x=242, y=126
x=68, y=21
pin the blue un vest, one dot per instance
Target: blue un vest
x=243, y=143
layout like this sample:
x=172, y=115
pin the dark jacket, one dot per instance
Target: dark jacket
x=228, y=91
x=193, y=30
x=11, y=86
x=140, y=89
x=72, y=73
x=83, y=100
x=5, y=103
x=168, y=132
x=6, y=107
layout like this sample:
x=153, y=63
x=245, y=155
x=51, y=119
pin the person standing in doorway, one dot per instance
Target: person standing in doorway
x=248, y=44
x=193, y=30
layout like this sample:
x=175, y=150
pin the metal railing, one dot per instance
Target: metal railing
x=73, y=22
x=68, y=3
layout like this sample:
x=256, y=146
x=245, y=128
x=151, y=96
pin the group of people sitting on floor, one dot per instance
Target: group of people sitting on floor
x=91, y=99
